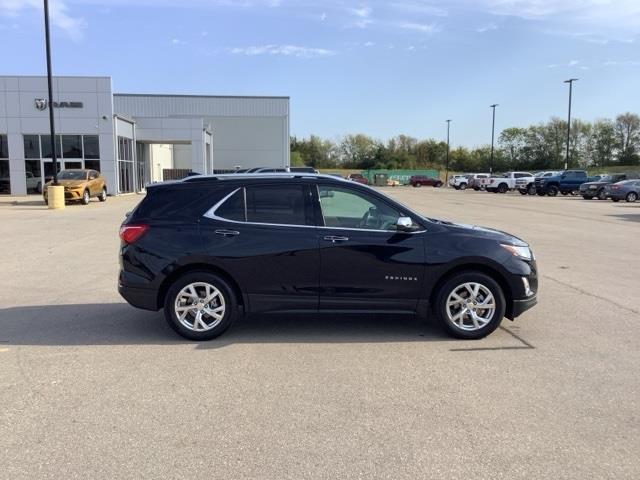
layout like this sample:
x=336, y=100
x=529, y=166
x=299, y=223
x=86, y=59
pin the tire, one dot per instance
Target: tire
x=531, y=189
x=540, y=194
x=503, y=188
x=417, y=184
x=477, y=189
x=464, y=327
x=456, y=187
x=438, y=185
x=616, y=200
x=103, y=195
x=463, y=186
x=602, y=194
x=85, y=197
x=587, y=197
x=552, y=191
x=574, y=193
x=631, y=197
x=564, y=194
x=523, y=192
x=178, y=293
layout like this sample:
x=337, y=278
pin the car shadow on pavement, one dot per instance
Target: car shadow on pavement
x=629, y=217
x=120, y=324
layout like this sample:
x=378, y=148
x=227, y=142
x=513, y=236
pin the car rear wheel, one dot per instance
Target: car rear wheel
x=553, y=191
x=200, y=306
x=417, y=184
x=531, y=189
x=502, y=188
x=85, y=197
x=470, y=305
x=103, y=195
x=632, y=197
x=438, y=184
x=587, y=197
x=463, y=186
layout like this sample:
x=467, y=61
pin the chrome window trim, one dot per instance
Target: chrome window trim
x=211, y=214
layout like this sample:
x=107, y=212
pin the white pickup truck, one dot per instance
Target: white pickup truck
x=459, y=182
x=524, y=182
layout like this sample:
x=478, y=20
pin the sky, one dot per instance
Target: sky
x=376, y=67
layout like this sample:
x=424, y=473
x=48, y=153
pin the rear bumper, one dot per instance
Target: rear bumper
x=144, y=298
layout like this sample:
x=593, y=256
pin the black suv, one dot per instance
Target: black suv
x=208, y=248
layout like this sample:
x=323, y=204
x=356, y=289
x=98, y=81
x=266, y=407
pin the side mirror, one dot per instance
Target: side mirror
x=405, y=224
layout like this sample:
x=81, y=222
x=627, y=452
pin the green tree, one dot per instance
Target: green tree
x=627, y=129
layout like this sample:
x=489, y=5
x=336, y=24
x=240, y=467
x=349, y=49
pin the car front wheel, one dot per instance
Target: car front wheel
x=85, y=197
x=417, y=184
x=470, y=305
x=553, y=191
x=200, y=306
x=632, y=197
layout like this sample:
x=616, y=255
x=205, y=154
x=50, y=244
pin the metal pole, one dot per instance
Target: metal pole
x=446, y=177
x=54, y=159
x=566, y=158
x=493, y=130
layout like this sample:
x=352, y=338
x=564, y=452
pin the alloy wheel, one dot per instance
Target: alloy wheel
x=470, y=306
x=200, y=307
x=632, y=197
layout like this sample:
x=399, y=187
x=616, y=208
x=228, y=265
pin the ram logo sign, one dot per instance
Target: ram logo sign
x=41, y=104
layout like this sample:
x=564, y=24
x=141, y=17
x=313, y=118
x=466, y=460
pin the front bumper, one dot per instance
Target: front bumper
x=521, y=306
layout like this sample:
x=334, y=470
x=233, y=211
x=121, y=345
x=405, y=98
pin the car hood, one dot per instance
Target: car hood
x=488, y=233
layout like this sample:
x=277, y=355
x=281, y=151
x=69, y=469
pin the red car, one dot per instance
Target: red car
x=419, y=180
x=357, y=177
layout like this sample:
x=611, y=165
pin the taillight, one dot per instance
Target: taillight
x=131, y=233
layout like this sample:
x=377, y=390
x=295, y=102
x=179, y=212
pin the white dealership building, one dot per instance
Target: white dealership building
x=133, y=139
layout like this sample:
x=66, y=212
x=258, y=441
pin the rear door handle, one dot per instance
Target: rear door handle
x=335, y=238
x=227, y=233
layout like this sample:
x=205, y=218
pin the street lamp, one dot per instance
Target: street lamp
x=446, y=177
x=54, y=159
x=566, y=158
x=493, y=130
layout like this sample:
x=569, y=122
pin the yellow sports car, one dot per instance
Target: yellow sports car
x=80, y=185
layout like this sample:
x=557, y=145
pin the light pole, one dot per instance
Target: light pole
x=446, y=175
x=493, y=130
x=566, y=158
x=54, y=159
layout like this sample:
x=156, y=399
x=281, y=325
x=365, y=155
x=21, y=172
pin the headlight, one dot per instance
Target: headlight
x=521, y=252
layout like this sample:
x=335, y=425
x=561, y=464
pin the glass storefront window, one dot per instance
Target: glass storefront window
x=33, y=176
x=92, y=164
x=4, y=147
x=91, y=147
x=5, y=184
x=45, y=140
x=31, y=146
x=71, y=146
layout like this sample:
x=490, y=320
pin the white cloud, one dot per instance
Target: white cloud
x=487, y=28
x=369, y=44
x=58, y=14
x=419, y=27
x=323, y=17
x=419, y=7
x=361, y=12
x=617, y=19
x=622, y=63
x=284, y=50
x=178, y=41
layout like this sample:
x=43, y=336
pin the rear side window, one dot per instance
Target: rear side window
x=172, y=203
x=277, y=204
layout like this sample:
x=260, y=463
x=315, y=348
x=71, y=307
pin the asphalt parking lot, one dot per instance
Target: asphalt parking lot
x=91, y=388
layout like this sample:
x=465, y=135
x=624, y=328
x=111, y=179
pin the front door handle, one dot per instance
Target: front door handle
x=335, y=238
x=227, y=233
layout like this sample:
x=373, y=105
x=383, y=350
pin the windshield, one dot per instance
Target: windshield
x=72, y=175
x=605, y=178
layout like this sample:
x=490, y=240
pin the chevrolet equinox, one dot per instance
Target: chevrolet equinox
x=209, y=248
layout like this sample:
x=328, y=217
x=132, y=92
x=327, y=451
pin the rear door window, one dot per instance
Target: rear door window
x=278, y=204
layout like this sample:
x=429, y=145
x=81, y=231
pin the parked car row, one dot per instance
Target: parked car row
x=619, y=186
